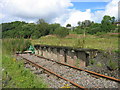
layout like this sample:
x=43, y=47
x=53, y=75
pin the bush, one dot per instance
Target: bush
x=79, y=30
x=100, y=33
x=94, y=30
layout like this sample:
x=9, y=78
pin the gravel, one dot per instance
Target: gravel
x=80, y=77
x=51, y=80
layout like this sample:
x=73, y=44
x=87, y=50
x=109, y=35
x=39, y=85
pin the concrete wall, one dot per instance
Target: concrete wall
x=75, y=57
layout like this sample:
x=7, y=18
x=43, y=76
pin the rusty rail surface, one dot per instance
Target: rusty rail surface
x=39, y=66
x=91, y=72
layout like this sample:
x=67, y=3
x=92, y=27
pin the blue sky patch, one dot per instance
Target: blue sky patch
x=94, y=6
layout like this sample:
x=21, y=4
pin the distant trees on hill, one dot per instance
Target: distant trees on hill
x=22, y=29
x=107, y=25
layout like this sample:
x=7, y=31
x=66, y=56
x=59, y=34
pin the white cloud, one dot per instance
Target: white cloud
x=1, y=15
x=27, y=9
x=111, y=9
x=52, y=11
x=74, y=16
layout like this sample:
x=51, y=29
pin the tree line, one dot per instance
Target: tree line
x=21, y=29
x=89, y=27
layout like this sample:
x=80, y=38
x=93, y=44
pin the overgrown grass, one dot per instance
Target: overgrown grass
x=13, y=45
x=74, y=40
x=14, y=75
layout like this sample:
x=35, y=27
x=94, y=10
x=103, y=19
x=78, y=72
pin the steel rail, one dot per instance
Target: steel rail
x=39, y=66
x=91, y=72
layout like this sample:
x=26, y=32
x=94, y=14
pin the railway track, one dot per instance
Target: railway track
x=39, y=66
x=69, y=73
x=91, y=72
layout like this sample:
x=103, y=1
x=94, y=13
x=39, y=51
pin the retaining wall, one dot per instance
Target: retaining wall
x=76, y=57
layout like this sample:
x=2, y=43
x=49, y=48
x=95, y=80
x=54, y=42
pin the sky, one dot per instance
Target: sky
x=57, y=11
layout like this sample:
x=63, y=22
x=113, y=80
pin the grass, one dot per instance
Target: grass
x=73, y=40
x=14, y=75
x=92, y=61
x=113, y=65
x=10, y=46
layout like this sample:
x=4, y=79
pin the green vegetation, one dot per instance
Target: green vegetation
x=89, y=27
x=14, y=75
x=113, y=65
x=87, y=34
x=61, y=32
x=92, y=61
x=91, y=41
x=10, y=46
x=20, y=29
x=99, y=64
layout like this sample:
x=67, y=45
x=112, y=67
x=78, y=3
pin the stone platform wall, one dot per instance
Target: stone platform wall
x=76, y=57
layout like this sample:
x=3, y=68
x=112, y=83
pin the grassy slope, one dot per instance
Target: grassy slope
x=107, y=42
x=14, y=75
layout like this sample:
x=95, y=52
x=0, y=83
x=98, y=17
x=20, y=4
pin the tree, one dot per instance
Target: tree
x=94, y=28
x=52, y=27
x=113, y=20
x=61, y=32
x=86, y=23
x=68, y=25
x=79, y=23
x=42, y=29
x=106, y=23
x=40, y=21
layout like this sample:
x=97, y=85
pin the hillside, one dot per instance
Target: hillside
x=102, y=42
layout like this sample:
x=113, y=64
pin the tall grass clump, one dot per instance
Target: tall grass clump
x=79, y=43
x=13, y=45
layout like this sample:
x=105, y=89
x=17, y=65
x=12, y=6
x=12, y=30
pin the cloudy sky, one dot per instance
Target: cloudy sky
x=57, y=11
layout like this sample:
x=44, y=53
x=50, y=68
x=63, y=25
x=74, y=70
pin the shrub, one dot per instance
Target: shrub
x=100, y=33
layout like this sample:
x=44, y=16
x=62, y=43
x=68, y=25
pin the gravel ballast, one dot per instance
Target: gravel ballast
x=80, y=77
